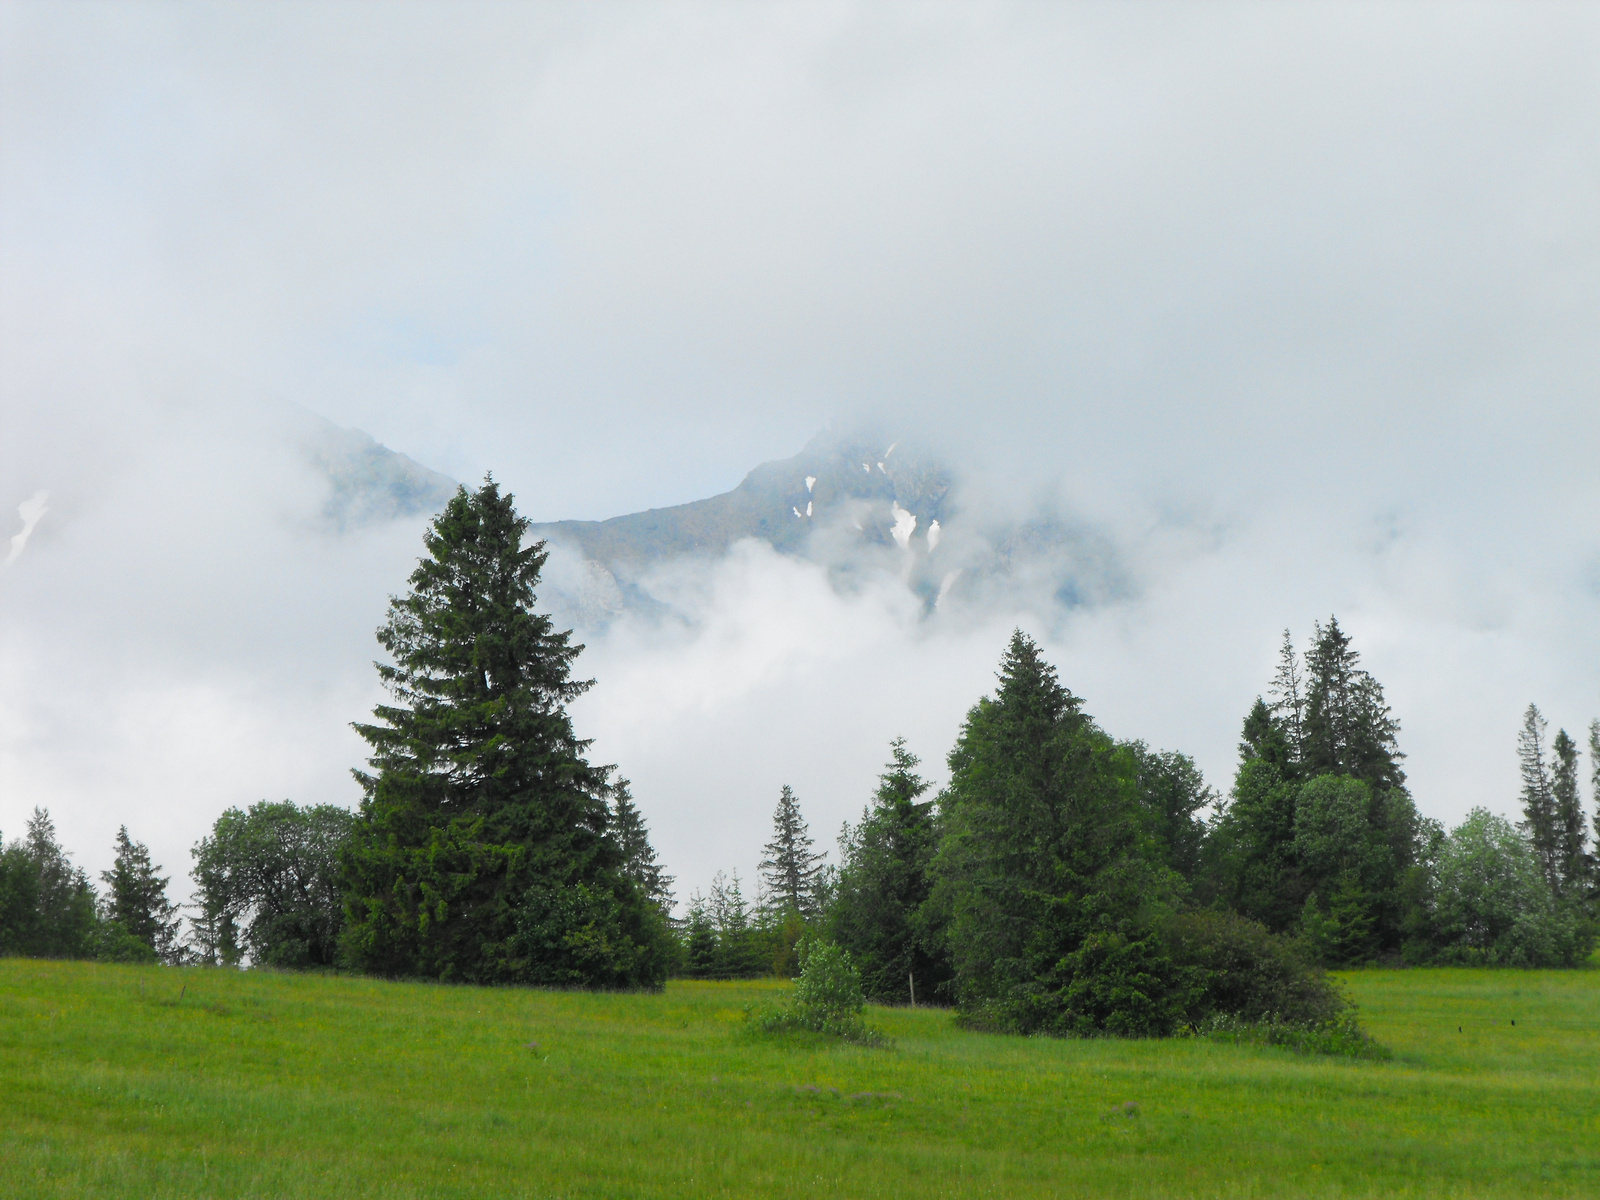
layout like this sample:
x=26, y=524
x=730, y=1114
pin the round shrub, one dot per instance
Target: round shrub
x=827, y=997
x=1238, y=969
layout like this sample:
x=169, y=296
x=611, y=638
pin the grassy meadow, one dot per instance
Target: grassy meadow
x=158, y=1082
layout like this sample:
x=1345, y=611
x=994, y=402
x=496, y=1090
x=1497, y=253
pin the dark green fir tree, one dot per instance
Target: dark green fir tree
x=1320, y=830
x=1250, y=861
x=883, y=883
x=1594, y=775
x=700, y=940
x=1348, y=729
x=139, y=921
x=1573, y=864
x=1047, y=880
x=47, y=906
x=791, y=871
x=1538, y=795
x=638, y=855
x=483, y=850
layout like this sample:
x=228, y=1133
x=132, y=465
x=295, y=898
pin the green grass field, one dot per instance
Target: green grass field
x=152, y=1082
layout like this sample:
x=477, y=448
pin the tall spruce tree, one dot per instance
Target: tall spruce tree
x=1250, y=863
x=739, y=953
x=1325, y=835
x=1573, y=864
x=1348, y=726
x=135, y=908
x=65, y=924
x=1594, y=775
x=1538, y=795
x=883, y=883
x=483, y=851
x=1289, y=698
x=638, y=855
x=700, y=940
x=791, y=871
x=1046, y=878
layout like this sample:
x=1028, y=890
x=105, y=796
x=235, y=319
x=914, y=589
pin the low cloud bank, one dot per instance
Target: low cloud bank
x=1285, y=311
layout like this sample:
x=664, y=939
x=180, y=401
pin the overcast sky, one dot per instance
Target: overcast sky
x=1298, y=304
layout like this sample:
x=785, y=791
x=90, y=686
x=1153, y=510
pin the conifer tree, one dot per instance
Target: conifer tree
x=1538, y=796
x=19, y=900
x=1594, y=774
x=1261, y=862
x=135, y=907
x=791, y=871
x=1044, y=873
x=883, y=883
x=1289, y=698
x=1250, y=861
x=638, y=855
x=738, y=950
x=1348, y=726
x=1572, y=835
x=700, y=940
x=64, y=924
x=483, y=851
x=1263, y=738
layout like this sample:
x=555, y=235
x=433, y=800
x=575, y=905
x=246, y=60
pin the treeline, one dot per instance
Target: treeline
x=50, y=909
x=1060, y=863
x=1049, y=888
x=1063, y=881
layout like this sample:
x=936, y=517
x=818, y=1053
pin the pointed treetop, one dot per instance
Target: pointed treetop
x=1029, y=686
x=638, y=855
x=1288, y=691
x=1264, y=738
x=791, y=871
x=900, y=785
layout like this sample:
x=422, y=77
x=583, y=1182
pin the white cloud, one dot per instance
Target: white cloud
x=1296, y=303
x=30, y=510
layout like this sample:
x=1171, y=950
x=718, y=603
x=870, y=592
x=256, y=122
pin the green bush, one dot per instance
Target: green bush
x=1125, y=986
x=117, y=945
x=1240, y=970
x=583, y=936
x=827, y=998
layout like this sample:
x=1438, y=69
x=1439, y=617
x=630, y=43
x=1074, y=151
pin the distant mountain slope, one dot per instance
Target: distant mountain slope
x=367, y=481
x=863, y=508
x=780, y=503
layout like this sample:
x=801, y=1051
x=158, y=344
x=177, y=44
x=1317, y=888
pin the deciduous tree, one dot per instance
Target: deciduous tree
x=269, y=884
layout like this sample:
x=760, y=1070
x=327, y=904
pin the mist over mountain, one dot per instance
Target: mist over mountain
x=367, y=481
x=866, y=508
x=1205, y=320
